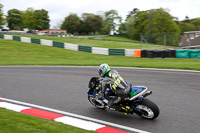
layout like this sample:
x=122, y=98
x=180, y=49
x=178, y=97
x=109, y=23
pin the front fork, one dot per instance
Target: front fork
x=135, y=103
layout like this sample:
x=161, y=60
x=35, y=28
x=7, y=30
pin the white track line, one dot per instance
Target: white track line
x=137, y=68
x=75, y=115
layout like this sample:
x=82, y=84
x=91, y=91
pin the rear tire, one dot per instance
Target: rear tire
x=95, y=103
x=149, y=109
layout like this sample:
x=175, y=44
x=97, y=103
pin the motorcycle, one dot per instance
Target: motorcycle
x=137, y=100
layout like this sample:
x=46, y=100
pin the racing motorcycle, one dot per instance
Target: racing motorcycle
x=137, y=100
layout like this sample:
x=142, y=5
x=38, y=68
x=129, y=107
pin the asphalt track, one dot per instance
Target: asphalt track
x=177, y=93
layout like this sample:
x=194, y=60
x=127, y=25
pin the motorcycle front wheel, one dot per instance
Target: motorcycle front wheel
x=96, y=103
x=149, y=109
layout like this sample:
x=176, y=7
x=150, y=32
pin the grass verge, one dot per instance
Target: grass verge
x=18, y=53
x=13, y=122
x=102, y=43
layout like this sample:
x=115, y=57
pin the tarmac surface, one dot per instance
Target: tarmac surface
x=177, y=94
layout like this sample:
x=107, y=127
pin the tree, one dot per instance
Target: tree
x=154, y=22
x=162, y=22
x=112, y=20
x=29, y=19
x=126, y=28
x=2, y=20
x=139, y=25
x=189, y=24
x=196, y=23
x=41, y=19
x=186, y=27
x=133, y=12
x=71, y=23
x=14, y=20
x=91, y=23
x=85, y=27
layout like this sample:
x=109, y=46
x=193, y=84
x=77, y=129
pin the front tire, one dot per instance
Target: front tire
x=95, y=103
x=149, y=109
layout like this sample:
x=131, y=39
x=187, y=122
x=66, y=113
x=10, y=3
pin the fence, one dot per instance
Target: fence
x=165, y=39
x=180, y=53
x=190, y=40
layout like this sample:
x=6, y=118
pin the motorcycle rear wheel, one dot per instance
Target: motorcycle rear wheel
x=95, y=103
x=149, y=109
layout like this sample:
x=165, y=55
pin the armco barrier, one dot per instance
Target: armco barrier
x=2, y=36
x=180, y=53
x=71, y=46
x=9, y=37
x=129, y=52
x=103, y=51
x=46, y=42
x=36, y=41
x=58, y=44
x=120, y=52
x=85, y=49
x=16, y=38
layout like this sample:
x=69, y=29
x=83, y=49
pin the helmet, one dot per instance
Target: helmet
x=103, y=69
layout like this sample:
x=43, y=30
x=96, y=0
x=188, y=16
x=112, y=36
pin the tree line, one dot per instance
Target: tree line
x=137, y=22
x=30, y=19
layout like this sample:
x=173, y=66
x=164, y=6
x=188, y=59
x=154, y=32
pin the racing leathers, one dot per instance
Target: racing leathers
x=117, y=85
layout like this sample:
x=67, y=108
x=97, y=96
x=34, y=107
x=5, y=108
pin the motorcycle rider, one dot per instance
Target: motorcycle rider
x=112, y=80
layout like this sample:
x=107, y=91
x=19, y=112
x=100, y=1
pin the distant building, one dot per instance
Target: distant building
x=190, y=39
x=50, y=31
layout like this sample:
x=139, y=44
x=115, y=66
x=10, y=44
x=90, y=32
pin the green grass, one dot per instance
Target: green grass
x=119, y=38
x=86, y=36
x=102, y=43
x=18, y=53
x=13, y=122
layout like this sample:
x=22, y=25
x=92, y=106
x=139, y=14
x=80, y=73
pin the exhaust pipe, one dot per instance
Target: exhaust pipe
x=147, y=93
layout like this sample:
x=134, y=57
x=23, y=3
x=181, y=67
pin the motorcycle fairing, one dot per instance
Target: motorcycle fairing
x=137, y=90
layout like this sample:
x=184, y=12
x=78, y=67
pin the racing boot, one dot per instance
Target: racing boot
x=126, y=109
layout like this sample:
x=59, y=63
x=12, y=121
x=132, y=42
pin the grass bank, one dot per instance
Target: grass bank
x=18, y=53
x=13, y=122
x=118, y=43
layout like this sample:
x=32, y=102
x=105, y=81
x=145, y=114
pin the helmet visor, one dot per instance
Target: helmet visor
x=100, y=72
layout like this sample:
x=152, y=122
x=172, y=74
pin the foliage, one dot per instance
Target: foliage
x=29, y=19
x=71, y=23
x=36, y=19
x=87, y=24
x=186, y=26
x=15, y=20
x=42, y=19
x=151, y=22
x=112, y=19
x=91, y=24
x=189, y=24
x=126, y=28
x=2, y=20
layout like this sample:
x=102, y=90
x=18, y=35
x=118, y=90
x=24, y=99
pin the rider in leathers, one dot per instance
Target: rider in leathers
x=112, y=80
